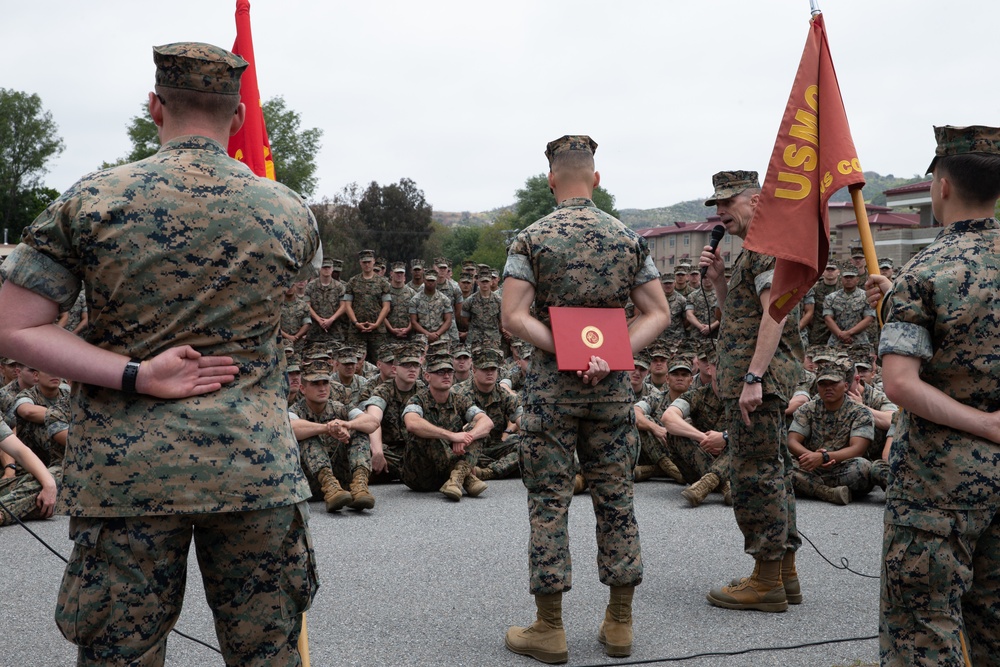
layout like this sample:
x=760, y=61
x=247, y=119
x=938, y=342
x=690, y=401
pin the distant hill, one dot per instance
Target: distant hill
x=690, y=210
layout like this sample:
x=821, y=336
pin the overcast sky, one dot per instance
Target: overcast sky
x=462, y=96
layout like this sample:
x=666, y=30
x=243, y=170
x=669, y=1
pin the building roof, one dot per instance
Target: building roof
x=887, y=220
x=912, y=187
x=681, y=227
x=869, y=207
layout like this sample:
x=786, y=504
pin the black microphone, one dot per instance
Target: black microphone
x=717, y=233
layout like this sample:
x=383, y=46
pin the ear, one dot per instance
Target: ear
x=155, y=109
x=755, y=199
x=597, y=179
x=945, y=187
x=238, y=118
x=552, y=181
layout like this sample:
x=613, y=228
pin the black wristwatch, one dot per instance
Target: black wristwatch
x=750, y=378
x=725, y=437
x=12, y=466
x=826, y=457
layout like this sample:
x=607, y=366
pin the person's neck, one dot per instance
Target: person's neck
x=367, y=275
x=440, y=395
x=316, y=408
x=957, y=211
x=833, y=407
x=404, y=385
x=47, y=391
x=345, y=381
x=325, y=280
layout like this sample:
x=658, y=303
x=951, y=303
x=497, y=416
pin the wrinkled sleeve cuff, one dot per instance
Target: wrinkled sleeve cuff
x=39, y=273
x=905, y=339
x=519, y=266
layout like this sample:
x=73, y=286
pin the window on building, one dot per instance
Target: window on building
x=687, y=239
x=672, y=241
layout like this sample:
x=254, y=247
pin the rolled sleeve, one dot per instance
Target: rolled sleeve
x=905, y=339
x=471, y=413
x=35, y=271
x=683, y=406
x=519, y=267
x=763, y=281
x=413, y=408
x=647, y=272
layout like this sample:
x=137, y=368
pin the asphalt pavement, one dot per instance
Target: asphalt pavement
x=420, y=580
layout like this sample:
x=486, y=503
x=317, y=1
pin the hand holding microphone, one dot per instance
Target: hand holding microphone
x=717, y=233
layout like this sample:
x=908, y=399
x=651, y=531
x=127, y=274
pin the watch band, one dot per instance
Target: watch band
x=129, y=376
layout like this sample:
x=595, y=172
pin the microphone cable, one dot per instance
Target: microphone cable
x=64, y=560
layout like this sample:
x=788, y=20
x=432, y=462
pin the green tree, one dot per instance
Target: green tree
x=492, y=247
x=535, y=201
x=338, y=221
x=395, y=220
x=28, y=139
x=461, y=243
x=293, y=149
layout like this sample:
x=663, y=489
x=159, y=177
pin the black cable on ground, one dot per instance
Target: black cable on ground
x=716, y=654
x=63, y=559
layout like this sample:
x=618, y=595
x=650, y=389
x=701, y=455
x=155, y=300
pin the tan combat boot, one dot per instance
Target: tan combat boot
x=484, y=474
x=452, y=488
x=838, y=495
x=762, y=590
x=642, y=473
x=727, y=493
x=616, y=629
x=697, y=492
x=579, y=484
x=790, y=578
x=670, y=470
x=545, y=639
x=472, y=484
x=333, y=493
x=361, y=497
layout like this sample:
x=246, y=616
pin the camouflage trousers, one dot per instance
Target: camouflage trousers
x=501, y=457
x=760, y=478
x=604, y=437
x=393, y=452
x=427, y=463
x=853, y=473
x=940, y=578
x=18, y=495
x=372, y=341
x=124, y=584
x=694, y=462
x=342, y=458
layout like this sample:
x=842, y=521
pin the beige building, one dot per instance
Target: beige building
x=683, y=242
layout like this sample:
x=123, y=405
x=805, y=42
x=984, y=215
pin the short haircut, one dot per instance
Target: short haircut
x=573, y=161
x=181, y=101
x=976, y=177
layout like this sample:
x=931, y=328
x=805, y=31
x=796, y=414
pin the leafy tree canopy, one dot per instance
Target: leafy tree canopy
x=28, y=140
x=535, y=201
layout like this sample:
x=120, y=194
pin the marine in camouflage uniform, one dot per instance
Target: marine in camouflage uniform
x=498, y=457
x=483, y=314
x=323, y=451
x=763, y=501
x=674, y=334
x=843, y=432
x=386, y=404
x=324, y=299
x=369, y=301
x=579, y=256
x=430, y=463
x=429, y=312
x=294, y=316
x=819, y=333
x=450, y=289
x=399, y=311
x=848, y=308
x=31, y=428
x=703, y=306
x=939, y=348
x=347, y=385
x=19, y=493
x=186, y=247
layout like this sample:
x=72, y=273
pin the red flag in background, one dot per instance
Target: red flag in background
x=813, y=157
x=250, y=145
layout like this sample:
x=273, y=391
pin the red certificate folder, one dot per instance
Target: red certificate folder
x=580, y=333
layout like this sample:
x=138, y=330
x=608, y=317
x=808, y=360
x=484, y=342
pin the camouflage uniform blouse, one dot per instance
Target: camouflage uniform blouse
x=943, y=310
x=674, y=333
x=185, y=247
x=819, y=333
x=484, y=320
x=391, y=400
x=399, y=311
x=823, y=429
x=31, y=434
x=705, y=410
x=452, y=415
x=563, y=256
x=704, y=313
x=847, y=310
x=430, y=310
x=741, y=316
x=294, y=314
x=499, y=405
x=367, y=296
